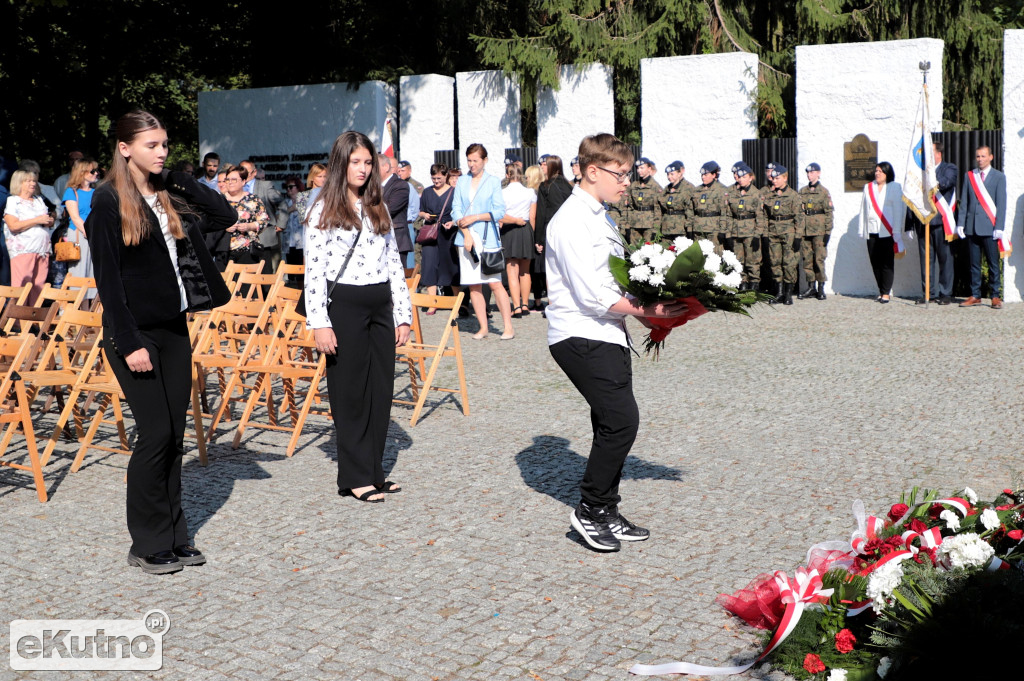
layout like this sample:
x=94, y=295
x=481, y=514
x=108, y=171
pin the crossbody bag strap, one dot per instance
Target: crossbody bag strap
x=78, y=232
x=344, y=264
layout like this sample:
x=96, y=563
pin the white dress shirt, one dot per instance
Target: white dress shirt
x=374, y=261
x=581, y=288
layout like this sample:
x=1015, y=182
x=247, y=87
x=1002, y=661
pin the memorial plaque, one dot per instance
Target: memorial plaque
x=860, y=156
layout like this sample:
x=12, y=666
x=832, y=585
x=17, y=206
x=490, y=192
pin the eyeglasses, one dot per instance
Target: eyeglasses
x=292, y=186
x=233, y=179
x=619, y=177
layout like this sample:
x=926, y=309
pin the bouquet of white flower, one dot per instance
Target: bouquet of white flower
x=689, y=271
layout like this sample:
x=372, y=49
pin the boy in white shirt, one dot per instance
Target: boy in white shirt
x=587, y=332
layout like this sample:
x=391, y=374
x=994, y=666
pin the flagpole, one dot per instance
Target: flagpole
x=924, y=66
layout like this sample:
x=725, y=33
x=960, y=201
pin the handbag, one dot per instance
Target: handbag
x=300, y=306
x=493, y=261
x=427, y=236
x=65, y=251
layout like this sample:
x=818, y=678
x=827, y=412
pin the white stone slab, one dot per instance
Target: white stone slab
x=698, y=109
x=427, y=120
x=488, y=108
x=289, y=121
x=875, y=89
x=583, y=105
x=1013, y=158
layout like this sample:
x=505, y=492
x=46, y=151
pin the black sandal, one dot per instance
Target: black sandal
x=388, y=487
x=365, y=496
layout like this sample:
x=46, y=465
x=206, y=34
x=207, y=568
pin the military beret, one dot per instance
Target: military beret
x=709, y=167
x=543, y=158
x=575, y=161
x=779, y=170
x=674, y=166
x=813, y=166
x=742, y=169
x=770, y=165
x=404, y=164
x=645, y=161
x=512, y=158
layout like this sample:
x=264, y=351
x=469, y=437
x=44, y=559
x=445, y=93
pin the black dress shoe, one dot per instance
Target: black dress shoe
x=945, y=300
x=189, y=555
x=159, y=563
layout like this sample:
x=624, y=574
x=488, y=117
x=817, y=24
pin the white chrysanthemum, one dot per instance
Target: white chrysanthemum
x=637, y=258
x=713, y=263
x=837, y=675
x=657, y=279
x=971, y=495
x=662, y=261
x=730, y=259
x=651, y=250
x=682, y=243
x=965, y=550
x=884, y=665
x=952, y=521
x=640, y=273
x=706, y=247
x=732, y=280
x=882, y=582
x=990, y=519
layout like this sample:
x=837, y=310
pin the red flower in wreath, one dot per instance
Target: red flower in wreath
x=813, y=664
x=897, y=511
x=918, y=526
x=1015, y=534
x=845, y=640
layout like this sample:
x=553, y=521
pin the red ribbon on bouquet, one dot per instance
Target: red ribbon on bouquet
x=662, y=326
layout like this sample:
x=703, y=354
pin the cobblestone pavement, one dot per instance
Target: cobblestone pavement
x=757, y=436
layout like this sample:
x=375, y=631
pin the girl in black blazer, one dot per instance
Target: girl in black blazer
x=152, y=267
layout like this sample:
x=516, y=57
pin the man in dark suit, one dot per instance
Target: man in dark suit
x=940, y=288
x=395, y=192
x=271, y=198
x=981, y=219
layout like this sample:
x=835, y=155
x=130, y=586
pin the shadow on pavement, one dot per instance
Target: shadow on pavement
x=550, y=467
x=206, y=490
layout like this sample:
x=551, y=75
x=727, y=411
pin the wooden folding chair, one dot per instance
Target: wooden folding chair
x=293, y=359
x=13, y=294
x=14, y=408
x=414, y=353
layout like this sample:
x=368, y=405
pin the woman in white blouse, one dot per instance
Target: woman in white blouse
x=27, y=226
x=517, y=238
x=359, y=315
x=881, y=223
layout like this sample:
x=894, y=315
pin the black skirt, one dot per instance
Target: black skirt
x=517, y=241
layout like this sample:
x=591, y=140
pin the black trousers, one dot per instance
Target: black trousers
x=159, y=401
x=883, y=261
x=942, y=260
x=603, y=373
x=360, y=380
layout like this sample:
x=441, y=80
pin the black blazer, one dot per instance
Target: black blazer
x=396, y=198
x=136, y=284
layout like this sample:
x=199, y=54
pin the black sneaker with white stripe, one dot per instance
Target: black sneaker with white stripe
x=623, y=530
x=594, y=525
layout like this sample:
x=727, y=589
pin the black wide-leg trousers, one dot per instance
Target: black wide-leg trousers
x=603, y=373
x=159, y=401
x=360, y=380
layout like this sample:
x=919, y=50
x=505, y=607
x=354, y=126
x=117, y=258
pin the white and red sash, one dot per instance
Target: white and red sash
x=946, y=209
x=989, y=206
x=897, y=245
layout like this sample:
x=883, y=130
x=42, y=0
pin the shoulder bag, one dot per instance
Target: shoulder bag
x=300, y=306
x=65, y=251
x=428, y=233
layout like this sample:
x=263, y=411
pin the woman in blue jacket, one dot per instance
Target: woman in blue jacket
x=476, y=209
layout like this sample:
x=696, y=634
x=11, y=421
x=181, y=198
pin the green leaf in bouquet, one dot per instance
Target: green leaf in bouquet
x=686, y=263
x=620, y=271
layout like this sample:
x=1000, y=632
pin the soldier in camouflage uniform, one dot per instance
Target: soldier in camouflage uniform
x=785, y=228
x=674, y=203
x=816, y=204
x=748, y=224
x=708, y=202
x=642, y=197
x=619, y=213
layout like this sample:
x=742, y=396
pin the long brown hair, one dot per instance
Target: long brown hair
x=135, y=225
x=79, y=171
x=337, y=212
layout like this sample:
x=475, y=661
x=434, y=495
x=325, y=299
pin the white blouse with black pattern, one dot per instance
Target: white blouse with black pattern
x=375, y=261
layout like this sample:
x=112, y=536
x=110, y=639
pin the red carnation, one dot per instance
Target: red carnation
x=1007, y=507
x=813, y=664
x=845, y=640
x=918, y=526
x=1008, y=491
x=934, y=510
x=897, y=511
x=1015, y=534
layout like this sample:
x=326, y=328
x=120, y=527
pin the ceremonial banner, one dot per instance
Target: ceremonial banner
x=919, y=184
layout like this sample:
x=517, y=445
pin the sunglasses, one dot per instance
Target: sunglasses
x=292, y=186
